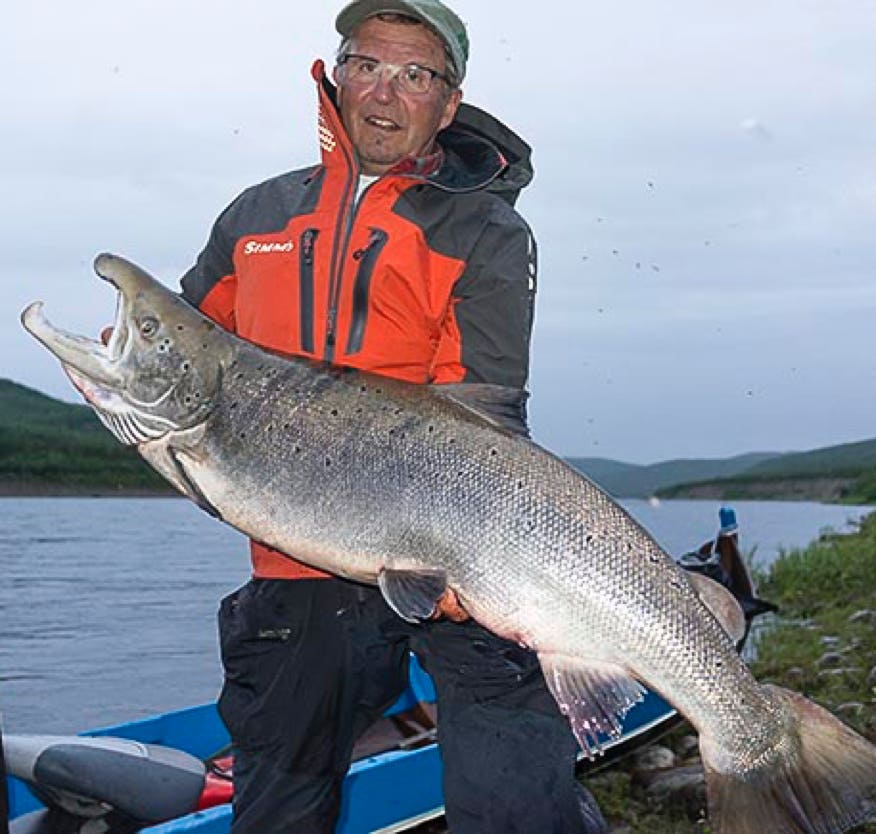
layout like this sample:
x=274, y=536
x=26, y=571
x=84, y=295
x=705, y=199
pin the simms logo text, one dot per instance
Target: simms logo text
x=253, y=247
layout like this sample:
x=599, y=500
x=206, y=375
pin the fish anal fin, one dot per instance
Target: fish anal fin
x=724, y=606
x=593, y=695
x=412, y=594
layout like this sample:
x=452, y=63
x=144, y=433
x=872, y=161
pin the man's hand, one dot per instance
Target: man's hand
x=106, y=334
x=449, y=606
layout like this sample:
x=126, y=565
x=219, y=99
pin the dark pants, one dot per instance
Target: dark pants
x=310, y=664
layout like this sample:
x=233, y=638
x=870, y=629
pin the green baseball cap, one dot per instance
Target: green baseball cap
x=431, y=12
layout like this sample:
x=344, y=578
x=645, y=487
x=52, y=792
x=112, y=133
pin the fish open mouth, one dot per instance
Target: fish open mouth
x=91, y=358
x=97, y=371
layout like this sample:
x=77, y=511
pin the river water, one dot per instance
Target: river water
x=107, y=606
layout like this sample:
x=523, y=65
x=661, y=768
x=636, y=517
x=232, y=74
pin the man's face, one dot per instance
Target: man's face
x=385, y=123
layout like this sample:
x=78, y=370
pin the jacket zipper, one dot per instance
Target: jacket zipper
x=343, y=232
x=305, y=288
x=367, y=257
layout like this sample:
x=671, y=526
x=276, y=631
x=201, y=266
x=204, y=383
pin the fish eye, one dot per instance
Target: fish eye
x=148, y=327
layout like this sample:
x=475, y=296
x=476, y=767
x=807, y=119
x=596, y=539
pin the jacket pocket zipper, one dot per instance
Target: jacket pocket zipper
x=306, y=288
x=367, y=257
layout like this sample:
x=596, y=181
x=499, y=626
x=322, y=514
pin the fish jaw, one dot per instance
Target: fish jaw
x=87, y=358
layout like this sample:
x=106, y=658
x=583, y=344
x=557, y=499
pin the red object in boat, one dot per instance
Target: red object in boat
x=218, y=787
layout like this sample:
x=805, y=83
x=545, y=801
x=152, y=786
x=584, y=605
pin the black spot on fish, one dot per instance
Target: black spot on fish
x=494, y=452
x=328, y=462
x=180, y=327
x=334, y=412
x=185, y=367
x=233, y=405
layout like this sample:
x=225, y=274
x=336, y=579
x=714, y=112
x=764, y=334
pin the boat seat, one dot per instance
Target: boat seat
x=90, y=777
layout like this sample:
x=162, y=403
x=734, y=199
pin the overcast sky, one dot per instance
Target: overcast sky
x=704, y=200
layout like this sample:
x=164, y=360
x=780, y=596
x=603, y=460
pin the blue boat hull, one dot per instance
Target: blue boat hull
x=373, y=799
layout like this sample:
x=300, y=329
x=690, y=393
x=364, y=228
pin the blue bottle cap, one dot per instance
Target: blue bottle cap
x=727, y=516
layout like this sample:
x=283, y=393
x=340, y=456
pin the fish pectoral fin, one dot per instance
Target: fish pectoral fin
x=412, y=594
x=593, y=695
x=723, y=605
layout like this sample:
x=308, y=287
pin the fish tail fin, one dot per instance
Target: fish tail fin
x=820, y=778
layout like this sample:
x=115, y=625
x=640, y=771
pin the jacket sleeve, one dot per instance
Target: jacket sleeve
x=486, y=334
x=211, y=284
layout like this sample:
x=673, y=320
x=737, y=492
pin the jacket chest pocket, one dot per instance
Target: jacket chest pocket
x=366, y=261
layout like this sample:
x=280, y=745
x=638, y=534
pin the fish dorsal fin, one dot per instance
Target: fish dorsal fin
x=468, y=396
x=723, y=605
x=501, y=406
x=412, y=594
x=593, y=695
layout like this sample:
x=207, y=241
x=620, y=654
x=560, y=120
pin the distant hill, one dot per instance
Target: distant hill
x=50, y=447
x=846, y=472
x=846, y=459
x=629, y=480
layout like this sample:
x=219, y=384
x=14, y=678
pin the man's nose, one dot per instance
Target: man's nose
x=384, y=89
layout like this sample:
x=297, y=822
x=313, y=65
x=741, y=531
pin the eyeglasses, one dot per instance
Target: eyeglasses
x=362, y=71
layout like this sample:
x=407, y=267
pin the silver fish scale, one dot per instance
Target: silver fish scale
x=378, y=475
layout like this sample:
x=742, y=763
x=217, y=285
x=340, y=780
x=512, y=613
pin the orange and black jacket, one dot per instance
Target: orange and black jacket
x=427, y=277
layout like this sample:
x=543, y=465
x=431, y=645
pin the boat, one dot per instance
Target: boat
x=400, y=750
x=171, y=773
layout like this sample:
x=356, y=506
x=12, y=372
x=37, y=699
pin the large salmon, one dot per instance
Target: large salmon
x=398, y=485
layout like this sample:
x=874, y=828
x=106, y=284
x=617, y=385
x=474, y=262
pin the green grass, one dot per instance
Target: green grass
x=818, y=589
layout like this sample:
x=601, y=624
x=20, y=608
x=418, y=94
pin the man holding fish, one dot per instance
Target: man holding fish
x=399, y=254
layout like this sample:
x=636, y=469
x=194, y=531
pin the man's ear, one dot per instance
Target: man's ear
x=450, y=108
x=338, y=86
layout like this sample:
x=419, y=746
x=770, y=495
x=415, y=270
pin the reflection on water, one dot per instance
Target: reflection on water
x=107, y=606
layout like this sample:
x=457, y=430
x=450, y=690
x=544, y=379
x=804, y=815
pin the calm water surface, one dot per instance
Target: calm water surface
x=107, y=606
